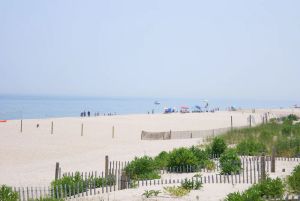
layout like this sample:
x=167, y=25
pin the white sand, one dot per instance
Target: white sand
x=209, y=192
x=29, y=158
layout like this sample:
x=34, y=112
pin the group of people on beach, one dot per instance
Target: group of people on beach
x=88, y=114
x=85, y=114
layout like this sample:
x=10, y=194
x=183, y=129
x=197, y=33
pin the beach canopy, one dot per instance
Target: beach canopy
x=184, y=107
x=198, y=107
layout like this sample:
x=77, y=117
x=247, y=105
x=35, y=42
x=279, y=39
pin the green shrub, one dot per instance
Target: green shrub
x=182, y=157
x=191, y=184
x=230, y=162
x=292, y=117
x=218, y=146
x=253, y=193
x=201, y=155
x=271, y=187
x=7, y=194
x=294, y=180
x=176, y=191
x=250, y=148
x=142, y=168
x=69, y=181
x=236, y=196
x=267, y=188
x=161, y=160
x=75, y=184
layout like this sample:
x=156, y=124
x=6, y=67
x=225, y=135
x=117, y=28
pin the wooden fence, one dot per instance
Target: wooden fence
x=73, y=192
x=168, y=135
x=97, y=183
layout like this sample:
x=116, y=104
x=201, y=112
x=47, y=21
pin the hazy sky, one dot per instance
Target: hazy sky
x=210, y=49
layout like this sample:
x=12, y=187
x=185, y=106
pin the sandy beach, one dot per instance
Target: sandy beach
x=98, y=98
x=28, y=158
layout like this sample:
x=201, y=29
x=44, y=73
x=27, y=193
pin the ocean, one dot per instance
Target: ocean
x=32, y=107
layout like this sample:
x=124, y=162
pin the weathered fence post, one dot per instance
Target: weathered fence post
x=250, y=120
x=113, y=132
x=254, y=169
x=250, y=163
x=106, y=166
x=51, y=127
x=27, y=193
x=247, y=171
x=23, y=193
x=263, y=167
x=21, y=128
x=231, y=123
x=56, y=170
x=82, y=129
x=273, y=160
x=123, y=180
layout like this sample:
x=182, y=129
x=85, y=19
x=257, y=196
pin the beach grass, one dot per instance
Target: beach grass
x=281, y=135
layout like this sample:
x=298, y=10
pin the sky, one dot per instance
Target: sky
x=231, y=49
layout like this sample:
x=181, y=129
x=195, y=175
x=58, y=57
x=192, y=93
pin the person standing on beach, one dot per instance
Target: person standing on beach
x=88, y=113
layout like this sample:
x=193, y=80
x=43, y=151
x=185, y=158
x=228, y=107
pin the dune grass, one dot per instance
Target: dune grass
x=283, y=135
